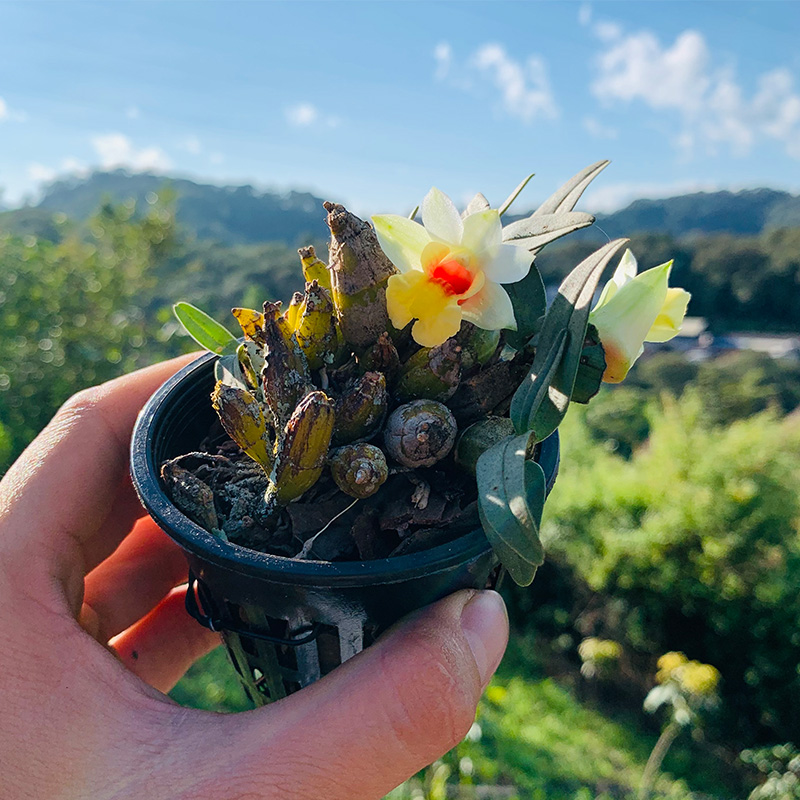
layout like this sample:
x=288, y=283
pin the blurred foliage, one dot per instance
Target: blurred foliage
x=693, y=544
x=781, y=765
x=74, y=313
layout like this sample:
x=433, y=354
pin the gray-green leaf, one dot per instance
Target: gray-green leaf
x=513, y=196
x=206, y=331
x=511, y=494
x=565, y=198
x=542, y=399
x=535, y=232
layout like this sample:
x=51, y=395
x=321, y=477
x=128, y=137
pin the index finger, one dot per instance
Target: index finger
x=67, y=502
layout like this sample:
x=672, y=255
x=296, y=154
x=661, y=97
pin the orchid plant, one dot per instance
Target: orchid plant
x=420, y=347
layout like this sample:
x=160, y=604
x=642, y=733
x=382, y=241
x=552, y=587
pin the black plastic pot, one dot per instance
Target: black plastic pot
x=287, y=622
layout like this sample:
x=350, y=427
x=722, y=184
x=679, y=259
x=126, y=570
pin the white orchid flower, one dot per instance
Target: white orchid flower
x=450, y=270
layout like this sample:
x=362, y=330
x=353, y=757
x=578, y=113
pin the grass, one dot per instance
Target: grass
x=533, y=740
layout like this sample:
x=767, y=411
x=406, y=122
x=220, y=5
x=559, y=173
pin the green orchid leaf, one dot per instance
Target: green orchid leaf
x=532, y=408
x=513, y=196
x=530, y=304
x=542, y=399
x=535, y=232
x=565, y=198
x=511, y=494
x=207, y=332
x=591, y=367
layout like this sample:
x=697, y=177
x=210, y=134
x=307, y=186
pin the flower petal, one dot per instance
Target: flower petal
x=401, y=291
x=490, y=308
x=625, y=272
x=624, y=320
x=483, y=232
x=626, y=269
x=402, y=239
x=509, y=265
x=670, y=319
x=431, y=331
x=441, y=218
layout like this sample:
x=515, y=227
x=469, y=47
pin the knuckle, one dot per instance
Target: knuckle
x=80, y=405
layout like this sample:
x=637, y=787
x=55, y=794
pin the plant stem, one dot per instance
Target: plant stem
x=668, y=736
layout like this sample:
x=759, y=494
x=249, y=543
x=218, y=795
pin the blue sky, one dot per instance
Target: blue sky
x=371, y=103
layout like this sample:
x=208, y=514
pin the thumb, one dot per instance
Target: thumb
x=380, y=717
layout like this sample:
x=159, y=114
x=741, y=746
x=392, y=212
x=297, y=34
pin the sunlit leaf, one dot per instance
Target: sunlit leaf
x=565, y=198
x=207, y=332
x=535, y=232
x=513, y=196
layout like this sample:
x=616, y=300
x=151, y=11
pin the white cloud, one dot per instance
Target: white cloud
x=216, y=158
x=133, y=112
x=192, y=145
x=40, y=173
x=73, y=166
x=598, y=129
x=524, y=88
x=117, y=150
x=584, y=14
x=443, y=55
x=713, y=109
x=11, y=115
x=304, y=115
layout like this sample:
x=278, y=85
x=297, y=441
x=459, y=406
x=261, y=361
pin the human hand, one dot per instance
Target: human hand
x=93, y=630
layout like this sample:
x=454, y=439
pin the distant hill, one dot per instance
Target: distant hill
x=234, y=215
x=745, y=213
x=227, y=214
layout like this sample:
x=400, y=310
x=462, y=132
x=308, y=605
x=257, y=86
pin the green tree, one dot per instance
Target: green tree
x=76, y=312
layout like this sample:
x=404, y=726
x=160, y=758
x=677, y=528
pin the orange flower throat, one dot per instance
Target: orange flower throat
x=452, y=276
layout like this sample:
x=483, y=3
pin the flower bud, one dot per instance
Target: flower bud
x=358, y=469
x=419, y=434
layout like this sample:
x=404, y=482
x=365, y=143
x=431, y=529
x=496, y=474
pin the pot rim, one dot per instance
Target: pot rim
x=203, y=544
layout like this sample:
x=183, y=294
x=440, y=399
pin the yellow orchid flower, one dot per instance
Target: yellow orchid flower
x=450, y=270
x=634, y=309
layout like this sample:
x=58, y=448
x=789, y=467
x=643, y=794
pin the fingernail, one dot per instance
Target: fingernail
x=485, y=625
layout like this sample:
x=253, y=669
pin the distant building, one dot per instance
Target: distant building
x=697, y=343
